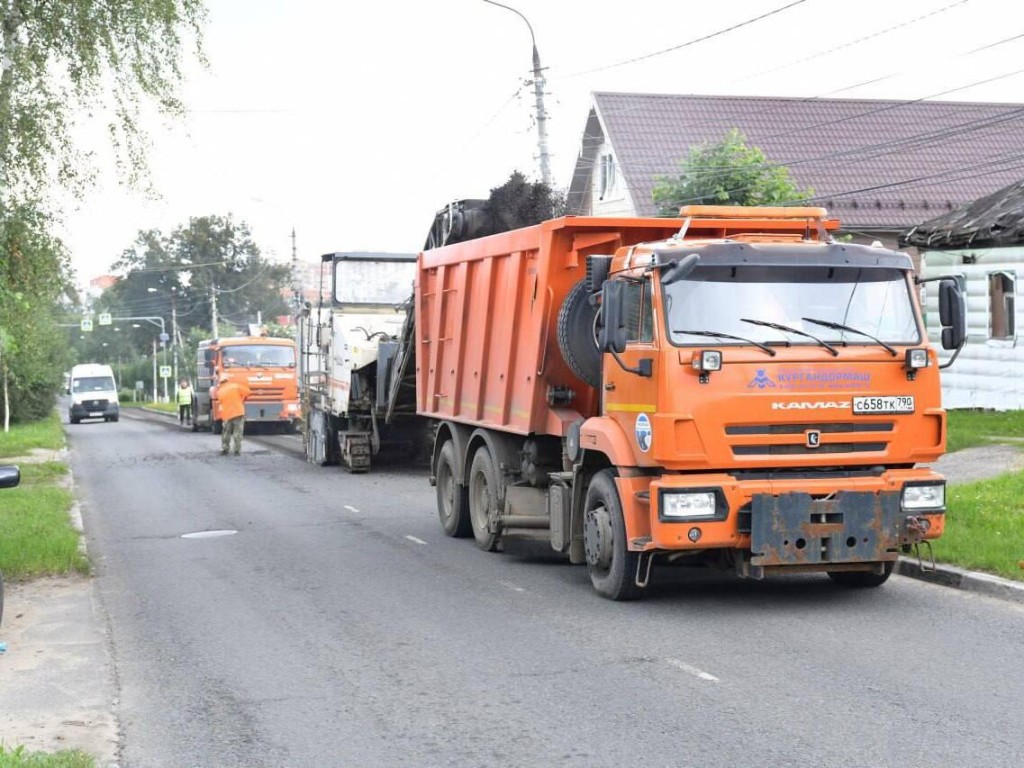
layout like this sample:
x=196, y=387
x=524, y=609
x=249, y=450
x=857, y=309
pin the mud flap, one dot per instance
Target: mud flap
x=795, y=529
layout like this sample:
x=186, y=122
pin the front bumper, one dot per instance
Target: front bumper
x=793, y=522
x=93, y=409
x=270, y=411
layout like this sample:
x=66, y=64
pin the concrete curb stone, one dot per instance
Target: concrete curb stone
x=968, y=581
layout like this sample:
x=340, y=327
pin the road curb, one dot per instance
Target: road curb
x=158, y=412
x=968, y=581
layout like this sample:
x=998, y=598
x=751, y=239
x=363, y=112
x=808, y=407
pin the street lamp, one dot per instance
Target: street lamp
x=174, y=326
x=538, y=95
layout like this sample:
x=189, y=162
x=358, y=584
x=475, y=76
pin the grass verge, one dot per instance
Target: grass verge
x=18, y=757
x=46, y=433
x=985, y=526
x=966, y=429
x=36, y=536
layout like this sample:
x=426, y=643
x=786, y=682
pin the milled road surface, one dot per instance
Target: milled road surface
x=340, y=627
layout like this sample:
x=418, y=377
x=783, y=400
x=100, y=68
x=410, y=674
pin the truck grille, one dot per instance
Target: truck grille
x=94, y=405
x=261, y=392
x=790, y=448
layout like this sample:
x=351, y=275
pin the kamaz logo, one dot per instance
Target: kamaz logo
x=806, y=405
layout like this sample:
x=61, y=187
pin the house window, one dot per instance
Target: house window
x=1001, y=289
x=607, y=175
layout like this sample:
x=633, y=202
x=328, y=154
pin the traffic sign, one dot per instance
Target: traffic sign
x=165, y=337
x=165, y=371
x=86, y=324
x=105, y=318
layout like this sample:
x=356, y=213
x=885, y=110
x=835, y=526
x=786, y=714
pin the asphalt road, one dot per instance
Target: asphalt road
x=340, y=627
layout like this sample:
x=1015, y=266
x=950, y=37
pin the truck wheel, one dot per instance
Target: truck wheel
x=483, y=498
x=217, y=427
x=577, y=321
x=452, y=498
x=860, y=578
x=612, y=566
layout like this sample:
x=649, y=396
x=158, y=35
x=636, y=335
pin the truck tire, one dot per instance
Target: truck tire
x=452, y=498
x=483, y=498
x=860, y=578
x=577, y=321
x=612, y=566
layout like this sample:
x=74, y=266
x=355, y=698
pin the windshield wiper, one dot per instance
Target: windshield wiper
x=717, y=335
x=841, y=327
x=797, y=331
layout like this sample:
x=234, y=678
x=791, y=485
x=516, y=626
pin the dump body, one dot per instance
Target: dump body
x=266, y=365
x=487, y=313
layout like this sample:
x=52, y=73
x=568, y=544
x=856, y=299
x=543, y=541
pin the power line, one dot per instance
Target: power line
x=687, y=44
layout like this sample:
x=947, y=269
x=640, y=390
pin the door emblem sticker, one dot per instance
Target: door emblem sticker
x=643, y=432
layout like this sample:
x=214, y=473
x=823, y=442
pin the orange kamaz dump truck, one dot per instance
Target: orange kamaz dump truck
x=731, y=388
x=265, y=364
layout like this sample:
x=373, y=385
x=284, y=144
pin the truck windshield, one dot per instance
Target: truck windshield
x=373, y=282
x=93, y=384
x=259, y=355
x=874, y=301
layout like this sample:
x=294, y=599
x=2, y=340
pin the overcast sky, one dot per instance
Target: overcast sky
x=355, y=122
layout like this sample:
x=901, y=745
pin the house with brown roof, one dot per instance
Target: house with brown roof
x=879, y=166
x=982, y=244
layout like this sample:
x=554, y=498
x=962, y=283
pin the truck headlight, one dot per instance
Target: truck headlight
x=689, y=505
x=924, y=497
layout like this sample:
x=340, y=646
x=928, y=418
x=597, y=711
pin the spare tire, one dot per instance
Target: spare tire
x=577, y=326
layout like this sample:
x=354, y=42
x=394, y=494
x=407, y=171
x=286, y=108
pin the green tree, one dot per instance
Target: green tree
x=61, y=60
x=727, y=172
x=64, y=58
x=33, y=279
x=210, y=258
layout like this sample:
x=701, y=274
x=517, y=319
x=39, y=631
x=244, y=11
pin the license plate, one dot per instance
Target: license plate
x=95, y=414
x=884, y=404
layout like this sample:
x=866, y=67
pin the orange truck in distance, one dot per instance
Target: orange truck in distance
x=732, y=388
x=266, y=365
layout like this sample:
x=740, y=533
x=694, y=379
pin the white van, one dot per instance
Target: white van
x=93, y=393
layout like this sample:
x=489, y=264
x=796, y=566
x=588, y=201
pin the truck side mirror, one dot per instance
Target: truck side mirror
x=951, y=315
x=612, y=336
x=209, y=356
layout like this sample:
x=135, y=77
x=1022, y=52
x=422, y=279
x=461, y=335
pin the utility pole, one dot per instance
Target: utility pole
x=538, y=97
x=213, y=310
x=174, y=330
x=156, y=397
x=296, y=290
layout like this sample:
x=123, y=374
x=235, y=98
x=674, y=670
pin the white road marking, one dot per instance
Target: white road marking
x=691, y=670
x=413, y=538
x=350, y=508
